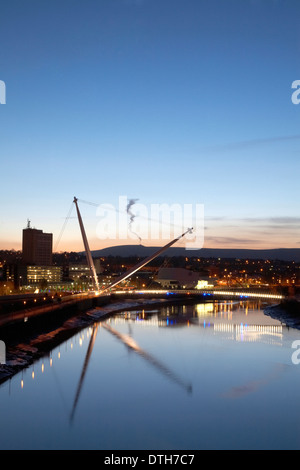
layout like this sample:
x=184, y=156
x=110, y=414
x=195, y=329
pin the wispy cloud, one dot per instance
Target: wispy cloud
x=269, y=222
x=231, y=240
x=281, y=220
x=245, y=144
x=255, y=232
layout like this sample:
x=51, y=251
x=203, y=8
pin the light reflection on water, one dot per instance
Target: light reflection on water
x=205, y=376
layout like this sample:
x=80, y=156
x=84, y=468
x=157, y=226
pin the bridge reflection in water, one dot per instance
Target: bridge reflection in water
x=94, y=393
x=216, y=317
x=129, y=342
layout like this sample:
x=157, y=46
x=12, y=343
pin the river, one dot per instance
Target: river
x=218, y=375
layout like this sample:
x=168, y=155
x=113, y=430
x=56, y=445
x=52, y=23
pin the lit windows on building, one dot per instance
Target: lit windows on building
x=79, y=271
x=51, y=274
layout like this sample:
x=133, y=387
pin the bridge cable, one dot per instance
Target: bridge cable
x=63, y=227
x=138, y=216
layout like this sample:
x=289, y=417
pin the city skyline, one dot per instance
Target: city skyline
x=164, y=102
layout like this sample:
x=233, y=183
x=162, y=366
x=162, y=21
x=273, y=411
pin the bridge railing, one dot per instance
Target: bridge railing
x=243, y=293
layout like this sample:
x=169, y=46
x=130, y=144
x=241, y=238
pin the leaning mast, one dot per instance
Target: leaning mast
x=89, y=258
x=143, y=263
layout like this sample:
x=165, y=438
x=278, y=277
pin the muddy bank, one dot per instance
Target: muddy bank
x=27, y=343
x=286, y=312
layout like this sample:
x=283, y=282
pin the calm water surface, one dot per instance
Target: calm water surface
x=205, y=376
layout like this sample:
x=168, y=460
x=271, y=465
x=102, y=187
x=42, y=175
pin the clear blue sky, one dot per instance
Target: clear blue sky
x=165, y=101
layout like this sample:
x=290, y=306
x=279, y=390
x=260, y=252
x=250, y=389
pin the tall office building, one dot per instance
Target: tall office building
x=36, y=247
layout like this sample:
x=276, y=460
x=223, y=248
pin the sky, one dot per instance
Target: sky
x=164, y=102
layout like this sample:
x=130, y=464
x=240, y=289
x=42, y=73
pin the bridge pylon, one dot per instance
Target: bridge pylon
x=89, y=258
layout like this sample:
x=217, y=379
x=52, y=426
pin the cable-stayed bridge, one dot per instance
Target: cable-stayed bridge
x=216, y=293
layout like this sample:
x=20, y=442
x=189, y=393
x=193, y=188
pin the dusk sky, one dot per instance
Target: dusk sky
x=163, y=101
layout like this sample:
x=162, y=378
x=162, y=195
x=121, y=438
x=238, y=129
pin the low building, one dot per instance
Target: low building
x=82, y=271
x=204, y=284
x=79, y=272
x=178, y=278
x=16, y=273
x=38, y=274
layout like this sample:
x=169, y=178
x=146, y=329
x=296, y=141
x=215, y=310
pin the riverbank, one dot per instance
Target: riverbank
x=287, y=312
x=25, y=344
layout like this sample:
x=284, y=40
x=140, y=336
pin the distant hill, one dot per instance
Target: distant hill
x=283, y=254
